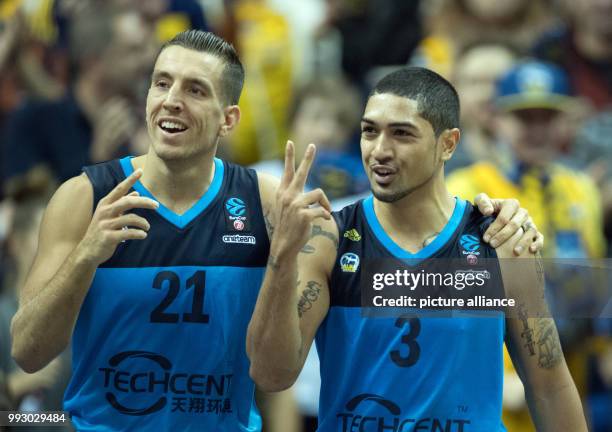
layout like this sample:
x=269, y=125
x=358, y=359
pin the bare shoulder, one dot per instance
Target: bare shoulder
x=268, y=185
x=70, y=208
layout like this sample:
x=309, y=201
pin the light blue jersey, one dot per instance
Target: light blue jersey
x=412, y=372
x=159, y=344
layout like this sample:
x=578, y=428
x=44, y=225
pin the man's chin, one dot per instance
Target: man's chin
x=171, y=153
x=389, y=196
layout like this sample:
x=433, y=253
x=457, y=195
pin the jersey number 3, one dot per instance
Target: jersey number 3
x=409, y=339
x=197, y=282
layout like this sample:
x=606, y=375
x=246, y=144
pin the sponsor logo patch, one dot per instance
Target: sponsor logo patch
x=353, y=235
x=240, y=239
x=374, y=413
x=349, y=262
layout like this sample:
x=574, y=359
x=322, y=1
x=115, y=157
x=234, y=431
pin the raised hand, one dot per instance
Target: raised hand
x=296, y=209
x=112, y=223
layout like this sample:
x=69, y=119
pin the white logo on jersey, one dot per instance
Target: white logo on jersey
x=237, y=238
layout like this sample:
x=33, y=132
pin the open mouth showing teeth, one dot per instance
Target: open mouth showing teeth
x=383, y=172
x=172, y=127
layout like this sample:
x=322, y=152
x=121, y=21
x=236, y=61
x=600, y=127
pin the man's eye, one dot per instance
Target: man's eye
x=161, y=84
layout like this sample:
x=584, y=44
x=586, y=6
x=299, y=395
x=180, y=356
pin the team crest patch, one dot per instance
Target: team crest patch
x=353, y=235
x=349, y=262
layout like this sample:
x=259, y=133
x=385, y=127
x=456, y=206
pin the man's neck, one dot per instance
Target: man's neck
x=178, y=185
x=415, y=220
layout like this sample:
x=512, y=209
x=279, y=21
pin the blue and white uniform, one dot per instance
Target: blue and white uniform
x=160, y=339
x=411, y=372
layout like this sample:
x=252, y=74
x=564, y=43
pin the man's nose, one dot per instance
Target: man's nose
x=173, y=101
x=382, y=149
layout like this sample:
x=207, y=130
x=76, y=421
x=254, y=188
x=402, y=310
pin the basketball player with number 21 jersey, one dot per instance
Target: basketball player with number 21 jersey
x=407, y=369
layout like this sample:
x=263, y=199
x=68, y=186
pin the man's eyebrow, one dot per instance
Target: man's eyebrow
x=160, y=74
x=201, y=82
x=409, y=125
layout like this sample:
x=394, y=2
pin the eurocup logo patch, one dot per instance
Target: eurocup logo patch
x=236, y=212
x=470, y=243
x=349, y=262
x=235, y=207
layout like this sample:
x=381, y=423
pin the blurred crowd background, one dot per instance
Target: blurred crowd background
x=534, y=78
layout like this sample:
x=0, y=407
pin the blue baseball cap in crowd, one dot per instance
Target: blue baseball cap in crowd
x=533, y=84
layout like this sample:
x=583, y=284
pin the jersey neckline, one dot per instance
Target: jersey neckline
x=429, y=250
x=180, y=220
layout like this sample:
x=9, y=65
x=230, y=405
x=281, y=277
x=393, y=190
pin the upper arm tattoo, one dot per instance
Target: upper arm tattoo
x=549, y=346
x=317, y=230
x=539, y=334
x=527, y=332
x=309, y=296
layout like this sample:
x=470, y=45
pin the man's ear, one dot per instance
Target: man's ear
x=449, y=138
x=231, y=118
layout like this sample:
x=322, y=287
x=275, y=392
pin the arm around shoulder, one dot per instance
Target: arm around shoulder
x=534, y=346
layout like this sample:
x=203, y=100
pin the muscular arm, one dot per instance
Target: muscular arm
x=292, y=304
x=533, y=344
x=294, y=297
x=72, y=243
x=57, y=283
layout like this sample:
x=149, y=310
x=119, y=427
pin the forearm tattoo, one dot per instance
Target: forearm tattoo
x=273, y=262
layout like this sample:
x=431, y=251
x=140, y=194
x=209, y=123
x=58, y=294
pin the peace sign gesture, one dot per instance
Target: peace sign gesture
x=296, y=209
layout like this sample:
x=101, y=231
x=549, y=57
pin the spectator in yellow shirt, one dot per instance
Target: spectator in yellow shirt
x=531, y=99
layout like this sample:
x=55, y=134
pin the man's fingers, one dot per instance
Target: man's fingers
x=317, y=212
x=526, y=240
x=313, y=197
x=510, y=228
x=129, y=234
x=131, y=202
x=301, y=175
x=484, y=204
x=538, y=244
x=131, y=220
x=507, y=208
x=123, y=188
x=289, y=165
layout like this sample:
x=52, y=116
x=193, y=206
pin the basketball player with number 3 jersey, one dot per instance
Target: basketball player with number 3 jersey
x=404, y=372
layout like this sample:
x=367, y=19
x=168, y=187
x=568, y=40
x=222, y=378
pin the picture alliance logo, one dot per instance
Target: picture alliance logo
x=140, y=383
x=373, y=413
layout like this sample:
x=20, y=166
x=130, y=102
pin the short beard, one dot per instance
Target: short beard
x=396, y=196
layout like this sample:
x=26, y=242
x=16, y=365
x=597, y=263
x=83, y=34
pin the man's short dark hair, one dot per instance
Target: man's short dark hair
x=232, y=78
x=437, y=99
